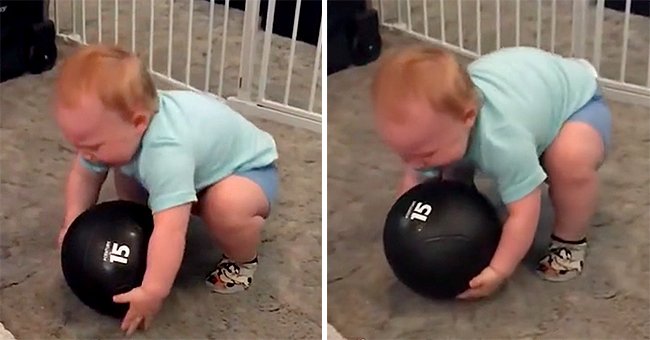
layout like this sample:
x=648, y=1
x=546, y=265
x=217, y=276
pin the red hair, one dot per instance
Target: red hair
x=422, y=72
x=117, y=77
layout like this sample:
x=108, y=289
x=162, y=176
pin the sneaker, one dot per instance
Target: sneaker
x=230, y=277
x=563, y=261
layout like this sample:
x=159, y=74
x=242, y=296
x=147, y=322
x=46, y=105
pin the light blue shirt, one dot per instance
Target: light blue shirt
x=192, y=142
x=527, y=95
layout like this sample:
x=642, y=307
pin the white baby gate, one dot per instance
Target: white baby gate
x=473, y=27
x=209, y=47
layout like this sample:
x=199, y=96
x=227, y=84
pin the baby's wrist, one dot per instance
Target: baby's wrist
x=502, y=269
x=155, y=289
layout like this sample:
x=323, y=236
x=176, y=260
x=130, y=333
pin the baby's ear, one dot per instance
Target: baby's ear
x=140, y=121
x=469, y=117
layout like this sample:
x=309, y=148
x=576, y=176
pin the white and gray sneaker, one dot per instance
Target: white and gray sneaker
x=230, y=277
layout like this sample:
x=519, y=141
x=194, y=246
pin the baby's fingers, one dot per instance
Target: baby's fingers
x=134, y=325
x=477, y=281
x=470, y=294
x=147, y=323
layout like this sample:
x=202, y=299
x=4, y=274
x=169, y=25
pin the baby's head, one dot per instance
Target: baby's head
x=424, y=105
x=103, y=102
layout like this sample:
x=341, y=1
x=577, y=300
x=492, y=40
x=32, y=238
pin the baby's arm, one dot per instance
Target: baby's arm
x=518, y=233
x=168, y=175
x=82, y=190
x=409, y=180
x=514, y=164
x=166, y=248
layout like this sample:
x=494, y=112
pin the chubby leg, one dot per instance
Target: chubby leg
x=571, y=162
x=129, y=189
x=234, y=211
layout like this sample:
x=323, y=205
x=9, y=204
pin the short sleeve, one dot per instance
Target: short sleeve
x=93, y=166
x=167, y=173
x=515, y=168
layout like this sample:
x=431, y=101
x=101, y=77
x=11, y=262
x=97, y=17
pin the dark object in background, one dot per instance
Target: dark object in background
x=236, y=4
x=366, y=43
x=104, y=253
x=27, y=38
x=439, y=235
x=308, y=24
x=639, y=7
x=43, y=51
x=353, y=35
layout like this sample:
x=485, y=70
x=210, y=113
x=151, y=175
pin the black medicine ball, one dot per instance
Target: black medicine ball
x=104, y=253
x=439, y=235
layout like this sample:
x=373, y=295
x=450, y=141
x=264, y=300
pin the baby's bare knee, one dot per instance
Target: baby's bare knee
x=233, y=209
x=571, y=165
x=573, y=175
x=229, y=217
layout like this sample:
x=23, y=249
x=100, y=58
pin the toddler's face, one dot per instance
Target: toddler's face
x=426, y=139
x=98, y=134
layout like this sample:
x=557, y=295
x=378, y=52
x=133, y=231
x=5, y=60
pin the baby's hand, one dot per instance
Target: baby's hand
x=62, y=232
x=143, y=307
x=484, y=284
x=64, y=229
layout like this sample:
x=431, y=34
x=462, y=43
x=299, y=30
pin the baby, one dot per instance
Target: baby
x=520, y=115
x=180, y=152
